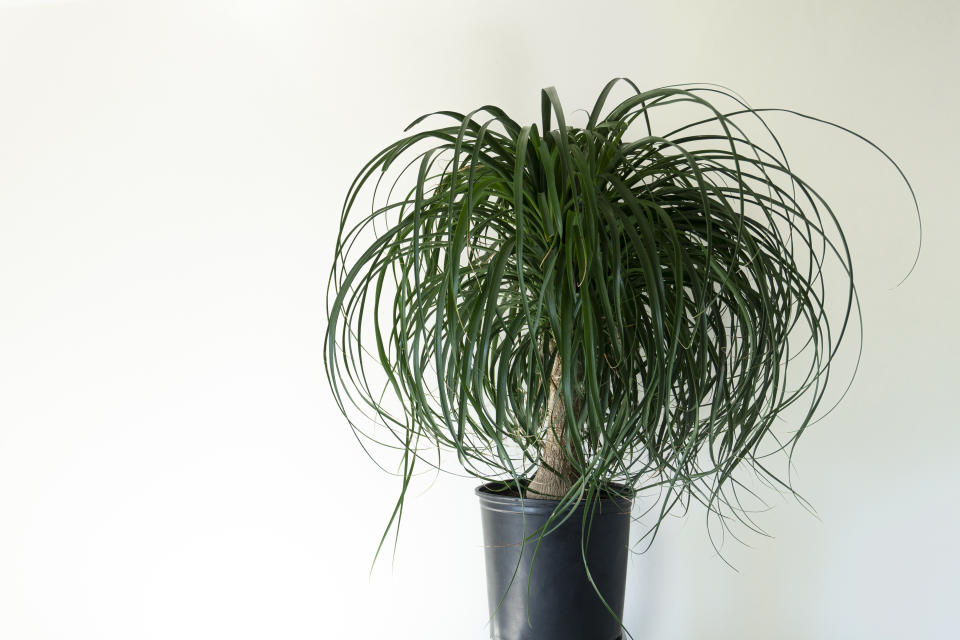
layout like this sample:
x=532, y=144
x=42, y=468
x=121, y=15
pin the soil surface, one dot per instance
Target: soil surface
x=510, y=490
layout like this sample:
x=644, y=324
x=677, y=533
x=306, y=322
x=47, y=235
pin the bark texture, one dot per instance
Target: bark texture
x=556, y=474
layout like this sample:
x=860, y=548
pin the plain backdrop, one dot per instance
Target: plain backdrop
x=172, y=465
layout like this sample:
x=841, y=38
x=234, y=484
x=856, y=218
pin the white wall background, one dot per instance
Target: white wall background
x=171, y=463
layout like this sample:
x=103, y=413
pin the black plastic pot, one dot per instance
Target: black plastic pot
x=561, y=603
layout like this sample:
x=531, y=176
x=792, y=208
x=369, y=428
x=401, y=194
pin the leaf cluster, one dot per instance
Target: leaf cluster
x=678, y=276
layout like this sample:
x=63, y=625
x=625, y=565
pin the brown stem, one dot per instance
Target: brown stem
x=556, y=473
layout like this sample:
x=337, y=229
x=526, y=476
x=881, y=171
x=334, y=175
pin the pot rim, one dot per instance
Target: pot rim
x=491, y=499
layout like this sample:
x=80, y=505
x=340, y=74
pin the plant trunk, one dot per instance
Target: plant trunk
x=556, y=473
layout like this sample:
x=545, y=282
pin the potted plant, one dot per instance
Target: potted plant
x=578, y=313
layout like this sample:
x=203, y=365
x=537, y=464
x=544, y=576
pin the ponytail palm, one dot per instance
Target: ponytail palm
x=587, y=305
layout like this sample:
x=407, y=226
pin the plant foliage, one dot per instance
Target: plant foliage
x=677, y=275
